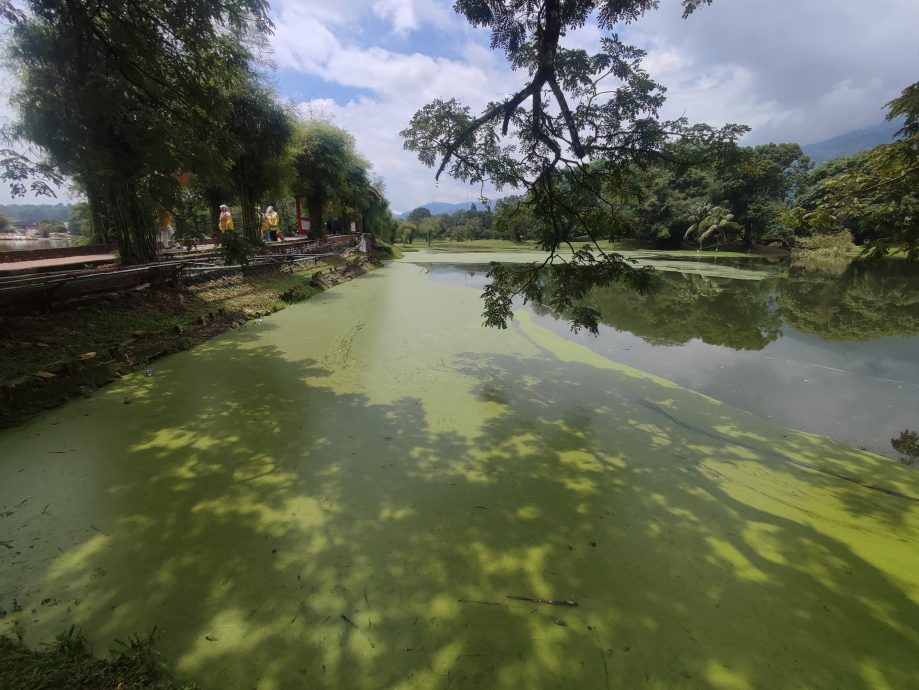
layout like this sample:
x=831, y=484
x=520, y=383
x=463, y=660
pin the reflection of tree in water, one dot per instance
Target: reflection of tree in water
x=866, y=301
x=740, y=314
x=863, y=302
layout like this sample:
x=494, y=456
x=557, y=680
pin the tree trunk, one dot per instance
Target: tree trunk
x=250, y=221
x=133, y=225
x=214, y=199
x=748, y=236
x=315, y=210
x=101, y=232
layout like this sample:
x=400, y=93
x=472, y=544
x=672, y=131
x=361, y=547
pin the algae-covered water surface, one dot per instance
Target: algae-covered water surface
x=344, y=495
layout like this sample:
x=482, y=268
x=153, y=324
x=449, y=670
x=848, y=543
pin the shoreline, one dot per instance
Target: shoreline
x=48, y=359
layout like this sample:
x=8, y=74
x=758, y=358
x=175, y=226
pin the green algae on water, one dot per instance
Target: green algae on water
x=345, y=495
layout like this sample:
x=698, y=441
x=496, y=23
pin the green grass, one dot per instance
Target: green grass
x=68, y=664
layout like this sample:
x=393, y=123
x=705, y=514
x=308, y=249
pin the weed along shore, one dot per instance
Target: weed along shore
x=50, y=358
x=368, y=489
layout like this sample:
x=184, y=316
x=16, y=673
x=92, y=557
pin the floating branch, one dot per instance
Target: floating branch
x=475, y=601
x=553, y=602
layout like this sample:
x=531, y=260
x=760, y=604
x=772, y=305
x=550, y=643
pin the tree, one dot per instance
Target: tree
x=261, y=132
x=121, y=95
x=755, y=182
x=712, y=221
x=48, y=227
x=324, y=155
x=513, y=220
x=80, y=222
x=419, y=213
x=356, y=199
x=380, y=221
x=566, y=138
x=407, y=230
x=879, y=189
x=430, y=226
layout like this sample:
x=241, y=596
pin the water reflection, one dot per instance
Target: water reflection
x=39, y=243
x=827, y=352
x=739, y=314
x=865, y=302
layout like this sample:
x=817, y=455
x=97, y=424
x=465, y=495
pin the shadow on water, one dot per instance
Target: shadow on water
x=285, y=534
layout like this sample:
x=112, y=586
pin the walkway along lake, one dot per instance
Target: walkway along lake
x=344, y=494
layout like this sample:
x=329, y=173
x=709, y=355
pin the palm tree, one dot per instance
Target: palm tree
x=712, y=220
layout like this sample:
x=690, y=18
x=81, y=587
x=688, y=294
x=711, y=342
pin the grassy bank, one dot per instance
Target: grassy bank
x=46, y=359
x=69, y=664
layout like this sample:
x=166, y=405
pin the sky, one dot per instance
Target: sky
x=793, y=70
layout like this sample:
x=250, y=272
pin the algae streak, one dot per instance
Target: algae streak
x=345, y=494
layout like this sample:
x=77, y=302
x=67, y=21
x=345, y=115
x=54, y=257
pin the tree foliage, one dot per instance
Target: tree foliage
x=712, y=221
x=419, y=213
x=878, y=190
x=323, y=156
x=259, y=146
x=127, y=98
x=755, y=182
x=568, y=137
x=121, y=95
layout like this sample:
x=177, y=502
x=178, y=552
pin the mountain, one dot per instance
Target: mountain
x=438, y=207
x=850, y=143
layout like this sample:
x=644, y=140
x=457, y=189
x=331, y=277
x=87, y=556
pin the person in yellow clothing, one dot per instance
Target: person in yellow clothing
x=273, y=220
x=167, y=231
x=263, y=224
x=226, y=219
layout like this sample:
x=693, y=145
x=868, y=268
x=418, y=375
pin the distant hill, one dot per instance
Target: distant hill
x=35, y=213
x=852, y=142
x=438, y=207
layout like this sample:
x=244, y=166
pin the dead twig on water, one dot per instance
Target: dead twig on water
x=553, y=602
x=356, y=627
x=484, y=603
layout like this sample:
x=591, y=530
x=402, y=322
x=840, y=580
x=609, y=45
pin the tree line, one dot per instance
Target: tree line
x=162, y=105
x=583, y=144
x=750, y=195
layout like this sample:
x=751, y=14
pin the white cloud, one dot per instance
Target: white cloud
x=304, y=43
x=397, y=84
x=794, y=71
x=400, y=12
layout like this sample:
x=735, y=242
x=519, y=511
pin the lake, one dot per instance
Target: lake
x=41, y=243
x=834, y=354
x=369, y=490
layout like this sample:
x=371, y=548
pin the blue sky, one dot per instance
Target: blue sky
x=794, y=70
